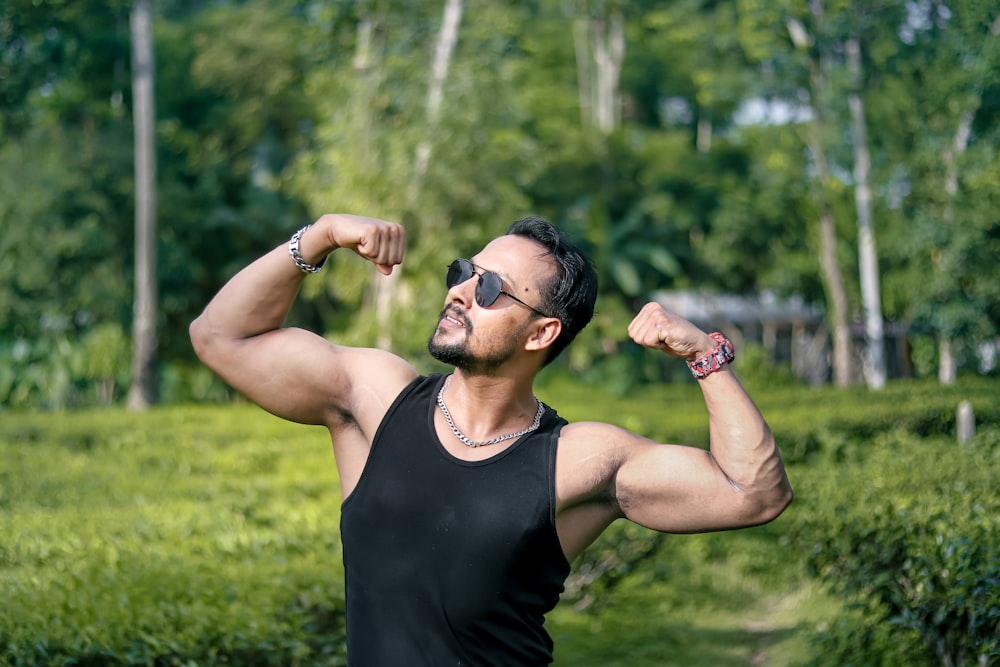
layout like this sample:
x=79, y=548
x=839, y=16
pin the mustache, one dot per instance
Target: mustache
x=456, y=313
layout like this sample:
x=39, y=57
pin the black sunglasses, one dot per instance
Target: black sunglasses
x=489, y=287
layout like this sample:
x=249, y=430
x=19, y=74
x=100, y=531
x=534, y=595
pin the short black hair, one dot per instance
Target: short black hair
x=572, y=293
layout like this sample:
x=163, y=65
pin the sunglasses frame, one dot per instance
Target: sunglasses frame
x=466, y=269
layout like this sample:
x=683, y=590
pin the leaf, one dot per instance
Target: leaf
x=625, y=276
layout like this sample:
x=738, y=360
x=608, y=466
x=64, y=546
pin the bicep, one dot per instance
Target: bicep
x=677, y=489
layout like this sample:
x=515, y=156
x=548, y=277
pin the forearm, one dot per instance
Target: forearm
x=257, y=299
x=741, y=442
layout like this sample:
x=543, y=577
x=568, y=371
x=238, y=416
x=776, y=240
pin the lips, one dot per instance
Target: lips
x=451, y=316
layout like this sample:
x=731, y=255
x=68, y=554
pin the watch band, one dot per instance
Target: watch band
x=714, y=360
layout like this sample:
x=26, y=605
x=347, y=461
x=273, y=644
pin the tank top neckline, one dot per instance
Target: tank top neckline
x=438, y=381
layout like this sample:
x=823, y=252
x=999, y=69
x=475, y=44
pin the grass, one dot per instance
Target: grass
x=207, y=533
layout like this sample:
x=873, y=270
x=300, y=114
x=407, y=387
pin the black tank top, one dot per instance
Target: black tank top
x=450, y=562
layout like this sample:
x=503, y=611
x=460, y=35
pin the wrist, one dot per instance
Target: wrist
x=718, y=357
x=308, y=259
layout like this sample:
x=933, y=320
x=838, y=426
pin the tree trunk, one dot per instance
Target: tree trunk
x=581, y=44
x=947, y=364
x=871, y=298
x=609, y=52
x=703, y=137
x=832, y=278
x=836, y=295
x=600, y=51
x=142, y=391
x=435, y=92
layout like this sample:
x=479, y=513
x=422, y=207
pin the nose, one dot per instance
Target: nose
x=464, y=292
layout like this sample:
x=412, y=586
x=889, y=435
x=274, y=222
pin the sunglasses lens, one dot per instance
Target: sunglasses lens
x=488, y=289
x=458, y=272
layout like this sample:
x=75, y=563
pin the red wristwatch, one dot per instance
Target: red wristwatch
x=714, y=360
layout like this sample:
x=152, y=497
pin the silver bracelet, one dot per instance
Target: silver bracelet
x=293, y=250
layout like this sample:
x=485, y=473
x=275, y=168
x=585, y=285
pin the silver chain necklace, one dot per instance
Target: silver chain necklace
x=481, y=443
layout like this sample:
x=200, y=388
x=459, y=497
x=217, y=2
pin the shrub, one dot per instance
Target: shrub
x=175, y=537
x=842, y=424
x=197, y=535
x=911, y=538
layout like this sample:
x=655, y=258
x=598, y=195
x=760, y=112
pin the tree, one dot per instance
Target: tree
x=64, y=184
x=977, y=42
x=600, y=48
x=142, y=391
x=814, y=48
x=940, y=115
x=628, y=131
x=871, y=297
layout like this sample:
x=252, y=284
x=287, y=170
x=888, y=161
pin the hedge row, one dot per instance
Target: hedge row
x=807, y=421
x=201, y=536
x=176, y=537
x=910, y=539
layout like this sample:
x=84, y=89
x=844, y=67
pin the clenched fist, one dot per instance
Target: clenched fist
x=657, y=328
x=379, y=241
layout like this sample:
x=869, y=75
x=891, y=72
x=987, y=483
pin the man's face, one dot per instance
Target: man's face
x=480, y=340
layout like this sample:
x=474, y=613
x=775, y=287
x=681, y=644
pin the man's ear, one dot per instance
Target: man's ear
x=543, y=334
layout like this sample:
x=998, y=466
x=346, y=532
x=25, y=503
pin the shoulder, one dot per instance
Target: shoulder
x=590, y=455
x=589, y=459
x=377, y=372
x=599, y=437
x=374, y=379
x=367, y=361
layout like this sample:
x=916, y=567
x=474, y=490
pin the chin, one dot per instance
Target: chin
x=451, y=353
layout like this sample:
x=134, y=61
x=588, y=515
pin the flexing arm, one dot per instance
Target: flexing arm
x=739, y=482
x=290, y=372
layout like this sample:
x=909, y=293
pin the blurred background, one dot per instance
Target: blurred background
x=818, y=178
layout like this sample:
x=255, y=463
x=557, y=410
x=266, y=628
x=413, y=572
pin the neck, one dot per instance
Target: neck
x=484, y=407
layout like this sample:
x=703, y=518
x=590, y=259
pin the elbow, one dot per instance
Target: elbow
x=772, y=504
x=201, y=337
x=775, y=497
x=785, y=496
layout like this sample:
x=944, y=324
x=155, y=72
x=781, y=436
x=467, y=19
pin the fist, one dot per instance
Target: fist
x=657, y=328
x=381, y=242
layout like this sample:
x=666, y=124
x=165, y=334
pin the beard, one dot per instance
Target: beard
x=458, y=353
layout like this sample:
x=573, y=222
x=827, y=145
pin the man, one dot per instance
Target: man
x=465, y=498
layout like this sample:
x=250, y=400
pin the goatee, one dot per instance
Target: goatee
x=457, y=353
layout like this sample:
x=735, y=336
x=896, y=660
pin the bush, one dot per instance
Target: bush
x=911, y=538
x=175, y=537
x=842, y=424
x=207, y=535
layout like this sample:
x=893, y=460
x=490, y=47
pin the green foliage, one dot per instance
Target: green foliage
x=272, y=111
x=106, y=356
x=842, y=436
x=757, y=370
x=915, y=544
x=186, y=536
x=210, y=535
x=41, y=372
x=811, y=422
